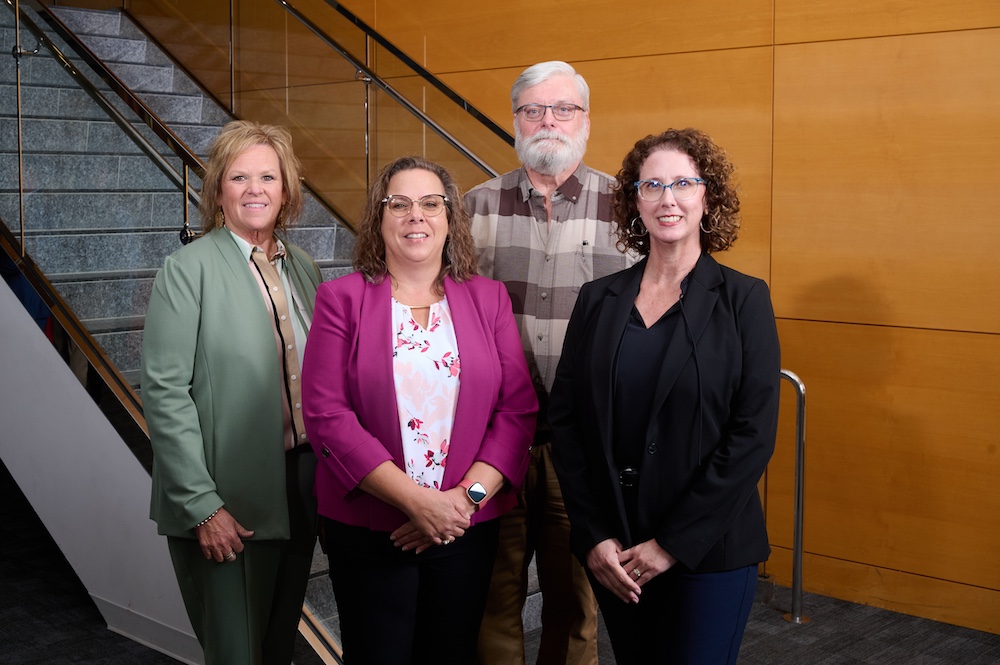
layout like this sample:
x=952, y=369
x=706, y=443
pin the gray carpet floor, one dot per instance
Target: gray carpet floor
x=46, y=616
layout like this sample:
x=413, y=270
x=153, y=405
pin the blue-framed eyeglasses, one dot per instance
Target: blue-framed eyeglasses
x=535, y=112
x=652, y=190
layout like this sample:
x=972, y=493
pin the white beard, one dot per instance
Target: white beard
x=544, y=157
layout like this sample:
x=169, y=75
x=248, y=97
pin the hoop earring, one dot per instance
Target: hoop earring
x=220, y=219
x=632, y=225
x=714, y=216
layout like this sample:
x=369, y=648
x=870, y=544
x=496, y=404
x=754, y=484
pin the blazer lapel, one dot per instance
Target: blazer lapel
x=475, y=355
x=613, y=315
x=375, y=340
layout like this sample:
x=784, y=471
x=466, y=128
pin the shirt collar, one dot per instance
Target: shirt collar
x=571, y=189
x=247, y=249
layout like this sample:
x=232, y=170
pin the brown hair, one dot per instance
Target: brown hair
x=232, y=141
x=458, y=257
x=720, y=224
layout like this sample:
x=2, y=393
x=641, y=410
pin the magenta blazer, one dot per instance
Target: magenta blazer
x=349, y=398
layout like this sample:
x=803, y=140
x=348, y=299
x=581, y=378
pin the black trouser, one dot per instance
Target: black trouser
x=400, y=607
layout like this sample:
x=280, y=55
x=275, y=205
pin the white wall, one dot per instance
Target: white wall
x=87, y=487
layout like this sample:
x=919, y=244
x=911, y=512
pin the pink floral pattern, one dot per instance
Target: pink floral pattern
x=426, y=371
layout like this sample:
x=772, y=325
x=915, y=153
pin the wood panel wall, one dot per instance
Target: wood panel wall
x=866, y=134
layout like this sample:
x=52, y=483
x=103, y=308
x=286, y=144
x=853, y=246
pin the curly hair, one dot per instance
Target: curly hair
x=458, y=256
x=232, y=141
x=721, y=222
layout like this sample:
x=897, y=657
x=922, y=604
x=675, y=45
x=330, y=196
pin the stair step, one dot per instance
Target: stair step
x=85, y=211
x=90, y=21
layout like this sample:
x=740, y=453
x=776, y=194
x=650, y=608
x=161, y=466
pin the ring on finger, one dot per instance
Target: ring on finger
x=637, y=573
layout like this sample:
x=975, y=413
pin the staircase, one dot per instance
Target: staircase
x=100, y=215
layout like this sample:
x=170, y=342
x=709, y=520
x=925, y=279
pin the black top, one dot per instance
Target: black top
x=637, y=369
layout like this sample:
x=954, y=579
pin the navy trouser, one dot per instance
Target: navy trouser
x=681, y=618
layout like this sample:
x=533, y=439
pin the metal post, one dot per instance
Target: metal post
x=18, y=52
x=795, y=616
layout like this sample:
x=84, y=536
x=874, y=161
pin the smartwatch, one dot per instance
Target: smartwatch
x=475, y=491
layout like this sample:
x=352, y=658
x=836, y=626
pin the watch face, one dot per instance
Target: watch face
x=476, y=492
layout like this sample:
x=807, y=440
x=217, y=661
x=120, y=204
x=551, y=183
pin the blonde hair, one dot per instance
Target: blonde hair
x=235, y=138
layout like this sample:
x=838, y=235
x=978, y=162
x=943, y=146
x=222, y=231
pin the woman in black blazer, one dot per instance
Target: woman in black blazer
x=664, y=413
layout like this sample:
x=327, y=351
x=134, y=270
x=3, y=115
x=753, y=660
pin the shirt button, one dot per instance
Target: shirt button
x=652, y=448
x=298, y=405
x=283, y=317
x=274, y=288
x=541, y=337
x=302, y=437
x=548, y=257
x=293, y=377
x=544, y=296
x=289, y=347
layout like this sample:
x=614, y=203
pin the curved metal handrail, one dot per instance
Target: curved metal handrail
x=369, y=76
x=795, y=616
x=423, y=73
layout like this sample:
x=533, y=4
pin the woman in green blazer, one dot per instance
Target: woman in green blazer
x=232, y=470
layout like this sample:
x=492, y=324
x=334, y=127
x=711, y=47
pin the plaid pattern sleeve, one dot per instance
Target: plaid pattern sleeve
x=545, y=267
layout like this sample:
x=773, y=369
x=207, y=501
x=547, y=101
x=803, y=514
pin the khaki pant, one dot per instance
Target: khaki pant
x=539, y=526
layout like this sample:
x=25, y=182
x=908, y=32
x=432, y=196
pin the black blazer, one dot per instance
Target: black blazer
x=712, y=428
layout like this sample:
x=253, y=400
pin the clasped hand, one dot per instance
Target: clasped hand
x=624, y=572
x=437, y=518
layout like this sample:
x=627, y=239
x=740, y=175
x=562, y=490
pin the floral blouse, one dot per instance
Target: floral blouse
x=426, y=371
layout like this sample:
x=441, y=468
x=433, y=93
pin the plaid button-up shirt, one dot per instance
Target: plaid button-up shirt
x=544, y=266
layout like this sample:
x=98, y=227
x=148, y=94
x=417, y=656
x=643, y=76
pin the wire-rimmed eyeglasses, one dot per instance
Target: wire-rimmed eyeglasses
x=400, y=206
x=535, y=112
x=683, y=189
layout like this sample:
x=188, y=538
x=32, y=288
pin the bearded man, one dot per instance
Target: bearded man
x=544, y=229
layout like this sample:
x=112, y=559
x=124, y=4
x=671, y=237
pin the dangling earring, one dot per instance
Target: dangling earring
x=632, y=225
x=220, y=219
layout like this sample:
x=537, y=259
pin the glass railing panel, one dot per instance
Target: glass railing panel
x=285, y=74
x=100, y=213
x=486, y=145
x=397, y=132
x=196, y=33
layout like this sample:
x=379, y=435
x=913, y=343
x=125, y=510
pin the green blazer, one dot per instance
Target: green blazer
x=211, y=389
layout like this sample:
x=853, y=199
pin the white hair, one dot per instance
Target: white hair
x=542, y=72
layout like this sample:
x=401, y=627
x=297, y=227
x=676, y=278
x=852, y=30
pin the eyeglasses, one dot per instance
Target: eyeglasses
x=400, y=205
x=683, y=189
x=535, y=112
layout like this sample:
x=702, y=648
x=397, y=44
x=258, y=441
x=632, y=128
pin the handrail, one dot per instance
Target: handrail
x=74, y=328
x=426, y=75
x=148, y=116
x=795, y=616
x=371, y=77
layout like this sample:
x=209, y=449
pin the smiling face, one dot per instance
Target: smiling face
x=252, y=194
x=415, y=239
x=551, y=146
x=671, y=223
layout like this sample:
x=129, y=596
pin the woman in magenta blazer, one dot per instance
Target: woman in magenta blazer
x=418, y=403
